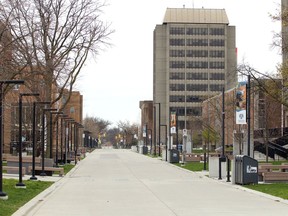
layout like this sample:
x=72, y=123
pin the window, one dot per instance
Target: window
x=216, y=87
x=217, y=76
x=177, y=64
x=197, y=87
x=197, y=31
x=197, y=64
x=197, y=53
x=177, y=87
x=217, y=54
x=195, y=99
x=217, y=65
x=177, y=98
x=217, y=42
x=197, y=42
x=177, y=76
x=177, y=42
x=177, y=53
x=177, y=31
x=217, y=31
x=194, y=111
x=197, y=76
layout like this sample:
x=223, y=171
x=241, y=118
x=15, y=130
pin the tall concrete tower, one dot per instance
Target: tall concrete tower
x=194, y=58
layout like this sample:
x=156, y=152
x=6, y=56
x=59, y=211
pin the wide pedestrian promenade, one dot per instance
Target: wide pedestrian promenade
x=123, y=183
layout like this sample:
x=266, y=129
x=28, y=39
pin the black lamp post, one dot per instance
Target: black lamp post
x=159, y=128
x=76, y=139
x=150, y=138
x=33, y=177
x=20, y=184
x=165, y=139
x=43, y=140
x=62, y=128
x=66, y=142
x=51, y=132
x=61, y=139
x=2, y=82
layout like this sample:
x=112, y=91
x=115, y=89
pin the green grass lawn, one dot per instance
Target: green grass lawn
x=18, y=197
x=193, y=166
x=275, y=189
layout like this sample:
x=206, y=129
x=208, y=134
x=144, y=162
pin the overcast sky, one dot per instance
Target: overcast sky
x=122, y=75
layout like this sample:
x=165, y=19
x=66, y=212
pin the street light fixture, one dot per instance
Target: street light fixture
x=51, y=132
x=165, y=139
x=33, y=177
x=2, y=82
x=159, y=128
x=20, y=184
x=43, y=140
x=66, y=140
x=62, y=116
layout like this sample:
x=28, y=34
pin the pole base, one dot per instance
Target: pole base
x=33, y=178
x=3, y=196
x=43, y=174
x=20, y=185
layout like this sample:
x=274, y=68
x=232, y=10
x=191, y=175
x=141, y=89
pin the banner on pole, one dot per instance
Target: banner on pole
x=173, y=122
x=241, y=105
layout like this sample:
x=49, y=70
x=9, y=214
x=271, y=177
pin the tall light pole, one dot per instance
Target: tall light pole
x=20, y=184
x=33, y=177
x=165, y=140
x=66, y=140
x=43, y=140
x=51, y=131
x=159, y=127
x=3, y=195
x=63, y=116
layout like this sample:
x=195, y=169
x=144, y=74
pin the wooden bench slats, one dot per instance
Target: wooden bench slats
x=53, y=169
x=275, y=176
x=15, y=170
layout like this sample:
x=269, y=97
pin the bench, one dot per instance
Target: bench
x=271, y=167
x=192, y=158
x=5, y=156
x=51, y=169
x=13, y=170
x=275, y=176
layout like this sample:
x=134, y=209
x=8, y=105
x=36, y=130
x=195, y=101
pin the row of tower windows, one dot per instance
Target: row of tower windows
x=197, y=64
x=196, y=31
x=191, y=111
x=197, y=42
x=189, y=98
x=195, y=87
x=197, y=53
x=196, y=76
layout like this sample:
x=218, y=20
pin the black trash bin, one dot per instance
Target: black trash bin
x=174, y=156
x=246, y=170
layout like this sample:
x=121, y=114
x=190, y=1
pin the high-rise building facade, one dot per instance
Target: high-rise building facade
x=194, y=58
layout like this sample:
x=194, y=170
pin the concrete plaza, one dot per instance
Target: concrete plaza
x=124, y=183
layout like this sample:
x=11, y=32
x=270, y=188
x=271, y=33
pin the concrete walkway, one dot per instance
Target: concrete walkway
x=123, y=183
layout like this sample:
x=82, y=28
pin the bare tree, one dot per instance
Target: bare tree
x=96, y=126
x=52, y=40
x=128, y=130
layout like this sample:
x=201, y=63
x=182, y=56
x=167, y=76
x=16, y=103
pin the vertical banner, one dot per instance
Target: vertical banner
x=173, y=122
x=144, y=131
x=241, y=105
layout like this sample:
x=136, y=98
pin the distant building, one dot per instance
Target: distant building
x=146, y=120
x=194, y=58
x=265, y=113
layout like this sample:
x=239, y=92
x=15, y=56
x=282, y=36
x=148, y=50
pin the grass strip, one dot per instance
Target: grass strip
x=275, y=189
x=17, y=197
